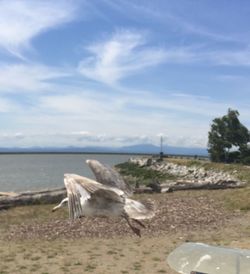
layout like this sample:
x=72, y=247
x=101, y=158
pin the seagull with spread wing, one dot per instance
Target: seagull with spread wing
x=87, y=197
x=105, y=175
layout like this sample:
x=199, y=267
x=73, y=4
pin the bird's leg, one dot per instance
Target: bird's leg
x=136, y=230
x=64, y=201
x=139, y=222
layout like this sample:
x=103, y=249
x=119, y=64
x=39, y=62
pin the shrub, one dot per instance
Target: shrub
x=246, y=160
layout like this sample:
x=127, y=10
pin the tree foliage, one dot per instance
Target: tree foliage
x=228, y=133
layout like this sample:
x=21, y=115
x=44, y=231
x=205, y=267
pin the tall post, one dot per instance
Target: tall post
x=161, y=152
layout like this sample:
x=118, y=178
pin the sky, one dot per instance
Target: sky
x=118, y=73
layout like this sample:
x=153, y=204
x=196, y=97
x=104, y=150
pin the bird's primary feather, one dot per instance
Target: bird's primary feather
x=108, y=176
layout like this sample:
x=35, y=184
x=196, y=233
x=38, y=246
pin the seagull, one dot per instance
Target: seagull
x=104, y=175
x=108, y=176
x=87, y=197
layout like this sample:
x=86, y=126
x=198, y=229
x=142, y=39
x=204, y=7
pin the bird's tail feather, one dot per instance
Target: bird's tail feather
x=140, y=210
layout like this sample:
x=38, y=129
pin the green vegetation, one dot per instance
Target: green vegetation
x=22, y=213
x=146, y=175
x=228, y=133
x=239, y=200
x=142, y=174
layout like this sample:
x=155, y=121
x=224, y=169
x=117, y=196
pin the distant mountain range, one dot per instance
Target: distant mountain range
x=134, y=149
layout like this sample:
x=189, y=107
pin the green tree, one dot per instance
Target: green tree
x=226, y=133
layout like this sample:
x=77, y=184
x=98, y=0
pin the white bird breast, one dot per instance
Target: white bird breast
x=113, y=210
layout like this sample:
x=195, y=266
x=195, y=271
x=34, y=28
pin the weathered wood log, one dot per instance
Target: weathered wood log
x=188, y=185
x=32, y=197
x=171, y=186
x=7, y=194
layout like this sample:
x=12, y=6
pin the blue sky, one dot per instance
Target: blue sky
x=116, y=72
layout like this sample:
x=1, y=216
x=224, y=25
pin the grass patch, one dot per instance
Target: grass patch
x=142, y=174
x=156, y=259
x=21, y=214
x=36, y=258
x=51, y=256
x=137, y=266
x=77, y=263
x=238, y=199
x=9, y=259
x=111, y=252
x=90, y=268
x=162, y=271
x=35, y=267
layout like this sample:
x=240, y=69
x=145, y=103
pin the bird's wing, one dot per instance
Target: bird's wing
x=80, y=189
x=88, y=184
x=108, y=176
x=108, y=196
x=92, y=186
x=77, y=196
x=139, y=210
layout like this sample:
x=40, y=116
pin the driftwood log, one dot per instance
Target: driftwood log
x=189, y=185
x=8, y=200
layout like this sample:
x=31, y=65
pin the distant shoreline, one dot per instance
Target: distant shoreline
x=76, y=152
x=141, y=149
x=103, y=153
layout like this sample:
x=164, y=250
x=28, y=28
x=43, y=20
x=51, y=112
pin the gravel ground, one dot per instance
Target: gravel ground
x=174, y=214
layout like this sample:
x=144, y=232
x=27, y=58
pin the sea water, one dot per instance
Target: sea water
x=22, y=172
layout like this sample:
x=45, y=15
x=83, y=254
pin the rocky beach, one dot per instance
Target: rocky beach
x=44, y=242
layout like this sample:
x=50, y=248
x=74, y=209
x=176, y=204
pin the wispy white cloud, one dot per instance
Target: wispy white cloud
x=29, y=77
x=22, y=20
x=124, y=53
x=129, y=52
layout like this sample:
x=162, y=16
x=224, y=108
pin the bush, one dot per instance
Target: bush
x=143, y=174
x=246, y=160
x=233, y=157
